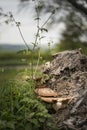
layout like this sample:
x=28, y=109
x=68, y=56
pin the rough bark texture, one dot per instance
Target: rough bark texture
x=68, y=77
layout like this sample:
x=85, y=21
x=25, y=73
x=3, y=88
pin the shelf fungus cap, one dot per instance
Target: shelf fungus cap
x=46, y=92
x=48, y=99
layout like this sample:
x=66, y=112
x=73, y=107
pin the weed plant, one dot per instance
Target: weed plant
x=20, y=109
x=38, y=36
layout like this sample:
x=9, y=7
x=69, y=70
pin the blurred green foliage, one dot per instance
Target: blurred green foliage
x=20, y=109
x=71, y=46
x=74, y=35
x=23, y=58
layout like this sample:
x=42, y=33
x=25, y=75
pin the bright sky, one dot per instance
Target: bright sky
x=10, y=34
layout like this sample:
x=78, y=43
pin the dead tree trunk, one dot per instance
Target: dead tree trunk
x=68, y=77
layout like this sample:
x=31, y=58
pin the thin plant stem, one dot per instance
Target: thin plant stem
x=38, y=21
x=11, y=100
x=37, y=35
x=23, y=38
x=46, y=20
x=26, y=44
x=37, y=63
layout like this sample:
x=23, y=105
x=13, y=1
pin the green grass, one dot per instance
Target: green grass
x=12, y=63
x=17, y=59
x=71, y=46
x=7, y=74
x=20, y=109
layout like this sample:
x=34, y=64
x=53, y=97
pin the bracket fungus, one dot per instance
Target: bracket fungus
x=46, y=92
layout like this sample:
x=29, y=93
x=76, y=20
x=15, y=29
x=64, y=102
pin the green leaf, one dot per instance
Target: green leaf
x=31, y=114
x=35, y=122
x=11, y=124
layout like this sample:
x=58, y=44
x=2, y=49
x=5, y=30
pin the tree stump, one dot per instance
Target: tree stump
x=68, y=77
